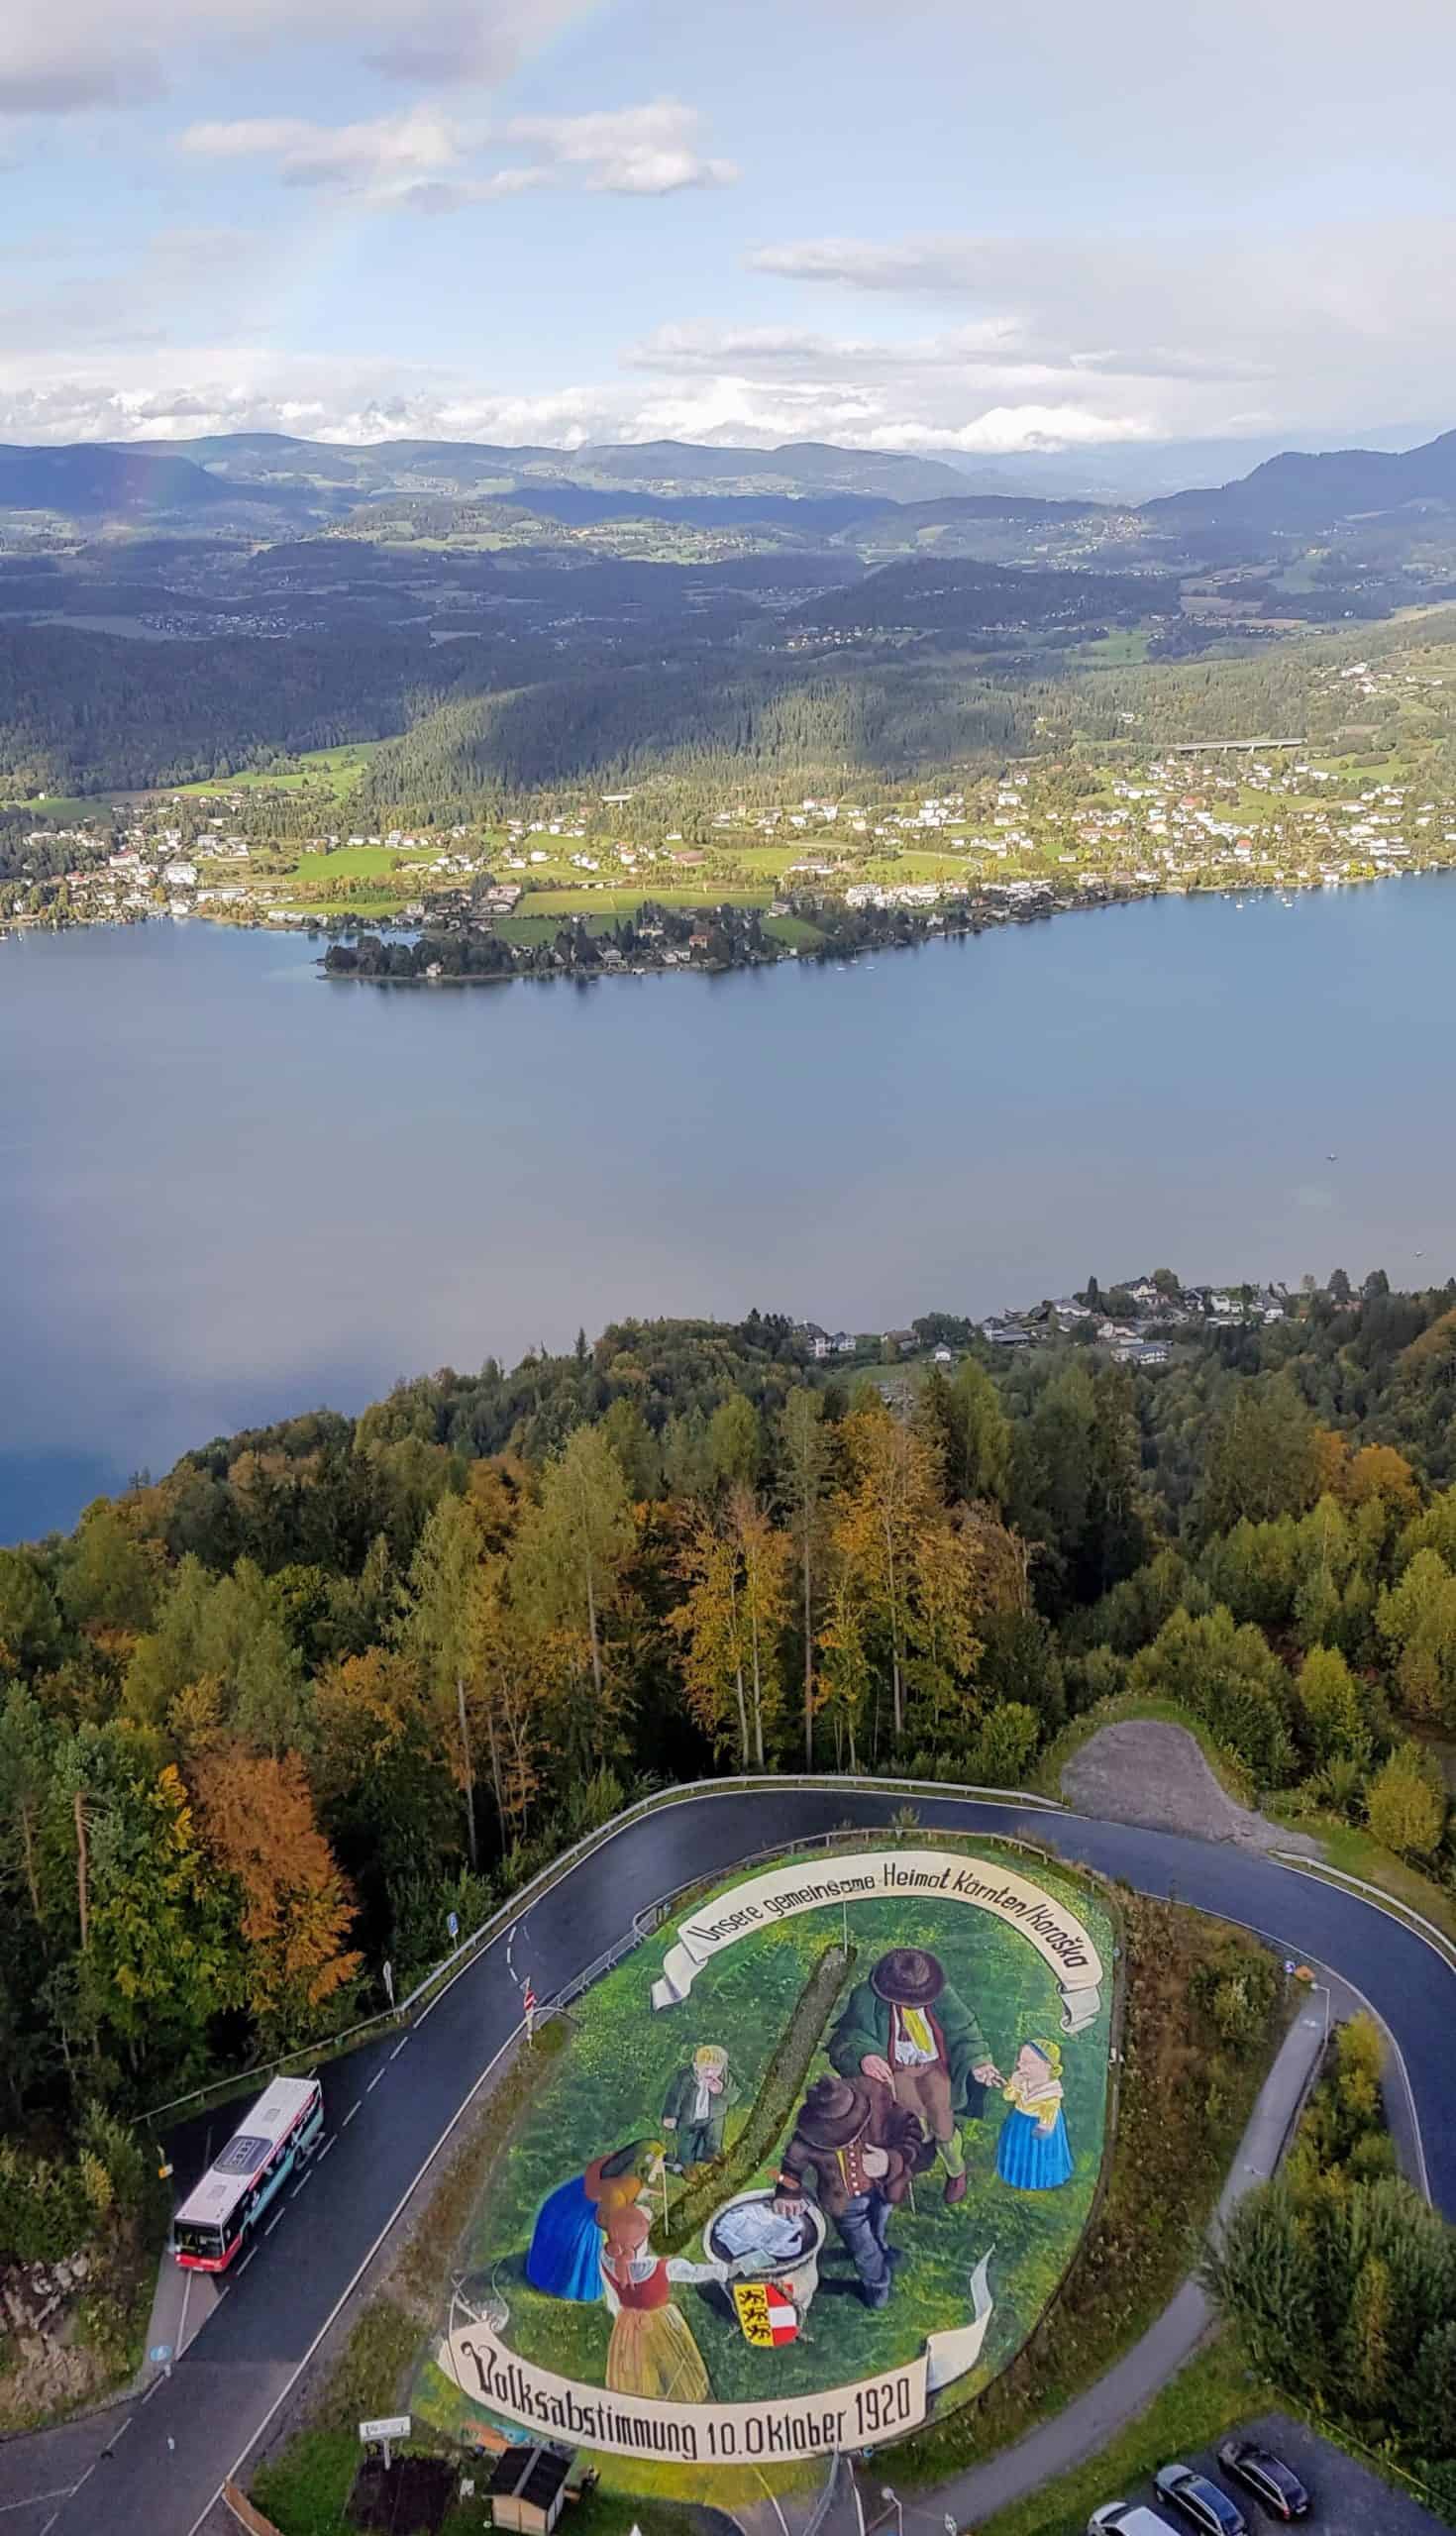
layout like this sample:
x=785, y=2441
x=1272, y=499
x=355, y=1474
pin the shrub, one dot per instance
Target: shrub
x=1407, y=1804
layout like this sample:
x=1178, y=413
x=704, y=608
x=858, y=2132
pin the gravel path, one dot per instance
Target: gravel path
x=1142, y=1771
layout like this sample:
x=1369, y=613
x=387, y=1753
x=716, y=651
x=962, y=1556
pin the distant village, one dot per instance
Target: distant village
x=1136, y=1322
x=1237, y=818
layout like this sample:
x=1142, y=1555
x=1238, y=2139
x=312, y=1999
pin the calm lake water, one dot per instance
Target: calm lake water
x=232, y=1190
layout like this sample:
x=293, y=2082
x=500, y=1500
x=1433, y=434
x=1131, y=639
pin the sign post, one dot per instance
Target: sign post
x=387, y=1971
x=383, y=2433
x=452, y=1922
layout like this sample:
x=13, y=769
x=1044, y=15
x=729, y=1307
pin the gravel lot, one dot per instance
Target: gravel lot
x=1142, y=1771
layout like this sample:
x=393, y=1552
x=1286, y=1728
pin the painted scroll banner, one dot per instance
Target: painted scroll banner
x=863, y=2413
x=929, y=1875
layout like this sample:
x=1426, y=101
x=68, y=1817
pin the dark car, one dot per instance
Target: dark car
x=1267, y=2477
x=1212, y=2511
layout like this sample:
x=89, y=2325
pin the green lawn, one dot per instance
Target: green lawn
x=580, y=901
x=359, y=863
x=338, y=770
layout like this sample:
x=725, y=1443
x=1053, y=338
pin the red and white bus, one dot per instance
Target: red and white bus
x=283, y=2128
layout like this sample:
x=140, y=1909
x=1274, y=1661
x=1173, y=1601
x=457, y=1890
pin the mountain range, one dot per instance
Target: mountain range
x=267, y=482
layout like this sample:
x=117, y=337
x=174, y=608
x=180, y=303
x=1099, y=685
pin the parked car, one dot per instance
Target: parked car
x=1126, y=2519
x=1267, y=2477
x=1212, y=2511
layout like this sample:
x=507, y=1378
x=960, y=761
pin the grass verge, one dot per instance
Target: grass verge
x=1186, y=2099
x=1216, y=2389
x=1356, y=1853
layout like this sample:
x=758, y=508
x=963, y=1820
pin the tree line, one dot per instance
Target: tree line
x=266, y=1721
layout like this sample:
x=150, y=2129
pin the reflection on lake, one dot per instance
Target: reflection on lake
x=232, y=1190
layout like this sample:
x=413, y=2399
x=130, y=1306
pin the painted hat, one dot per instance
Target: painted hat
x=833, y=2113
x=907, y=1978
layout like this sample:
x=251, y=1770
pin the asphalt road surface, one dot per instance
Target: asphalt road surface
x=388, y=2108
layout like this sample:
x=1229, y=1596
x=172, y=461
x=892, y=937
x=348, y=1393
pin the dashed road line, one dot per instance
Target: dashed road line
x=32, y=2501
x=246, y=2259
x=349, y=2117
x=373, y=2082
x=272, y=2223
x=399, y=2047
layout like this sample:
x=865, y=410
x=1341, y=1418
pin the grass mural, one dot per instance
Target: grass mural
x=887, y=2118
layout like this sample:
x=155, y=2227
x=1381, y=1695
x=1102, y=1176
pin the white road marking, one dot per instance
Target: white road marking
x=246, y=2259
x=32, y=2501
x=342, y=2301
x=299, y=2187
x=272, y=2223
x=399, y=2047
x=349, y=2117
x=121, y=2434
x=373, y=2082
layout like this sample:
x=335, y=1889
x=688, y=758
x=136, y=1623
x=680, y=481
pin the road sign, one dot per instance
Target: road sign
x=452, y=1922
x=386, y=1970
x=383, y=2433
x=160, y=2353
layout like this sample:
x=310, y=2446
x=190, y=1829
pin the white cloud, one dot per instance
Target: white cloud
x=74, y=54
x=430, y=160
x=640, y=149
x=1309, y=317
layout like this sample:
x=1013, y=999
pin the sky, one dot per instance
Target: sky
x=935, y=226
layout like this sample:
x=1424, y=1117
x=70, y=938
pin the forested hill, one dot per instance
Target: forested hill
x=265, y=1721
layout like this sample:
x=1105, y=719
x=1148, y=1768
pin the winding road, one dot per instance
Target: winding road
x=155, y=2467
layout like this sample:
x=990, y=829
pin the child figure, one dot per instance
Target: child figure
x=1032, y=2152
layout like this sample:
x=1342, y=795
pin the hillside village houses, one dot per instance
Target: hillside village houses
x=1145, y=1335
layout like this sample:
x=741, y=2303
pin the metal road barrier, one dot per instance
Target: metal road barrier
x=764, y=1782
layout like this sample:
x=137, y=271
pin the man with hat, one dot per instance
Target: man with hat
x=907, y=2033
x=861, y=2155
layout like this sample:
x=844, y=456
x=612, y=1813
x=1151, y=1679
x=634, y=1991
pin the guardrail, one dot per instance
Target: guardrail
x=765, y=1783
x=1407, y=1912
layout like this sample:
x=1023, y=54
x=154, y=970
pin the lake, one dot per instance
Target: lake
x=234, y=1190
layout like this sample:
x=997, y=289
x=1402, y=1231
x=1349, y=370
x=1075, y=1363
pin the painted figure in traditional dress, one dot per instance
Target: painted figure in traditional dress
x=652, y=2351
x=1033, y=2153
x=907, y=2032
x=696, y=2109
x=861, y=2150
x=565, y=2255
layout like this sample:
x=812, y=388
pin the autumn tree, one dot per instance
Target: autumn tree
x=846, y=1674
x=891, y=1494
x=567, y=1570
x=294, y=1907
x=440, y=1626
x=1416, y=1618
x=709, y=1622
x=1261, y=1457
x=804, y=1473
x=1406, y=1803
x=764, y=1557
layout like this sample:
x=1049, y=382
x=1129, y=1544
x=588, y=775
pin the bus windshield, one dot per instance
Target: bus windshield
x=190, y=2238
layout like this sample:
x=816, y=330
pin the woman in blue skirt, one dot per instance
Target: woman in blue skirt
x=1032, y=2152
x=564, y=2255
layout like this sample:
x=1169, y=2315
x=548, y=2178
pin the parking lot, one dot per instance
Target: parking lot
x=1349, y=2500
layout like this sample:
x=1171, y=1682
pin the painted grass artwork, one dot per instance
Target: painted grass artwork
x=807, y=2170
